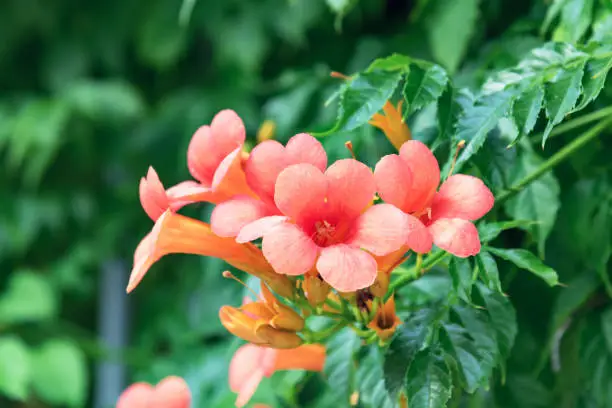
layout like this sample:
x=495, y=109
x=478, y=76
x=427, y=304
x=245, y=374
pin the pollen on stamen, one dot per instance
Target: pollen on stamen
x=339, y=75
x=460, y=146
x=229, y=275
x=349, y=146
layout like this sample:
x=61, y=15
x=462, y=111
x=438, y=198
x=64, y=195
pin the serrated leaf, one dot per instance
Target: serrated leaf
x=487, y=267
x=594, y=78
x=29, y=298
x=450, y=29
x=561, y=94
x=424, y=84
x=409, y=338
x=363, y=96
x=15, y=368
x=539, y=201
x=527, y=108
x=553, y=11
x=460, y=271
x=478, y=325
x=451, y=105
x=488, y=231
x=60, y=374
x=394, y=62
x=503, y=319
x=477, y=121
x=524, y=259
x=457, y=341
x=339, y=365
x=428, y=380
x=371, y=383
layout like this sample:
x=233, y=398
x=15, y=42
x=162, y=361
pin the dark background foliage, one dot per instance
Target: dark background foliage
x=92, y=93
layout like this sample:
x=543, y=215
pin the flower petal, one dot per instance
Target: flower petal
x=418, y=236
x=137, y=395
x=425, y=175
x=381, y=229
x=265, y=163
x=187, y=192
x=249, y=387
x=228, y=132
x=309, y=357
x=171, y=392
x=201, y=159
x=457, y=236
x=351, y=186
x=245, y=361
x=152, y=195
x=462, y=196
x=228, y=218
x=259, y=228
x=300, y=190
x=346, y=268
x=289, y=250
x=229, y=179
x=393, y=180
x=303, y=148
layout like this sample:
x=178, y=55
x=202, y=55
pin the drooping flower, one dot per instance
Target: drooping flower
x=265, y=322
x=262, y=168
x=252, y=363
x=327, y=222
x=171, y=392
x=176, y=234
x=409, y=181
x=392, y=124
x=386, y=320
x=214, y=159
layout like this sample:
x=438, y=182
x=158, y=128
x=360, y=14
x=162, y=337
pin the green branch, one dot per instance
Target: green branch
x=555, y=159
x=413, y=274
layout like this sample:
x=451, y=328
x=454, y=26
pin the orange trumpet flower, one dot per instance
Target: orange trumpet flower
x=386, y=320
x=176, y=234
x=392, y=124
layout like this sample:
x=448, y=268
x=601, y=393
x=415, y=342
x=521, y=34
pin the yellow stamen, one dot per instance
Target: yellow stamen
x=349, y=146
x=266, y=131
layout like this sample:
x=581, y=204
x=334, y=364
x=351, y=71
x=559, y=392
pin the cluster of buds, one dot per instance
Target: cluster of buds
x=328, y=246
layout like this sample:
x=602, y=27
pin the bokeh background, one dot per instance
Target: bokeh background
x=92, y=93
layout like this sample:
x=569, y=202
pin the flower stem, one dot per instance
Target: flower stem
x=555, y=159
x=412, y=274
x=580, y=121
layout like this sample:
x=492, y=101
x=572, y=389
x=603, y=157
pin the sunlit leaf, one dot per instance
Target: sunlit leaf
x=15, y=368
x=28, y=298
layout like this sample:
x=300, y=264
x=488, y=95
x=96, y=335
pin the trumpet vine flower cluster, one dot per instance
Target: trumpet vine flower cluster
x=322, y=237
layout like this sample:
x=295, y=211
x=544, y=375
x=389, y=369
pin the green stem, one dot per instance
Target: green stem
x=575, y=123
x=555, y=159
x=412, y=273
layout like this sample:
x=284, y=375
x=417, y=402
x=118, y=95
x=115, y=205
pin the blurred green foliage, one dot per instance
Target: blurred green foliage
x=95, y=92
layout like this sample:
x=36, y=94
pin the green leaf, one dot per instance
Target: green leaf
x=450, y=29
x=424, y=84
x=528, y=261
x=461, y=274
x=595, y=75
x=602, y=26
x=457, y=341
x=561, y=95
x=478, y=325
x=477, y=121
x=606, y=326
x=428, y=380
x=28, y=298
x=363, y=96
x=451, y=104
x=371, y=383
x=109, y=100
x=394, y=62
x=539, y=201
x=487, y=268
x=409, y=338
x=570, y=298
x=527, y=108
x=488, y=231
x=341, y=8
x=15, y=368
x=340, y=366
x=160, y=39
x=503, y=319
x=60, y=374
x=576, y=18
x=553, y=11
